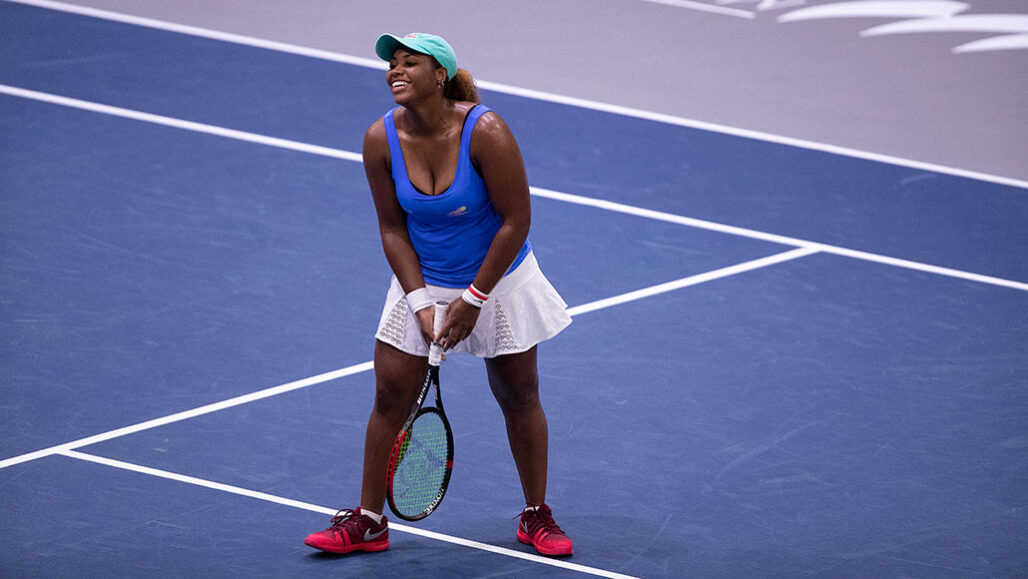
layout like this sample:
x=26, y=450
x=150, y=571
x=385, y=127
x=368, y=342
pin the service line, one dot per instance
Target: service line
x=369, y=365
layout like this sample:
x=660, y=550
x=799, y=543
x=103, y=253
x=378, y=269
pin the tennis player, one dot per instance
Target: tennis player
x=452, y=198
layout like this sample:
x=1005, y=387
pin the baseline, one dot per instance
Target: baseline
x=528, y=93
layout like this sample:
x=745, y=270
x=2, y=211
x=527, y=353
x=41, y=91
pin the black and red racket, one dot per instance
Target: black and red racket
x=422, y=457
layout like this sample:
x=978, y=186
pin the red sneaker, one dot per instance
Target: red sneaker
x=351, y=531
x=537, y=528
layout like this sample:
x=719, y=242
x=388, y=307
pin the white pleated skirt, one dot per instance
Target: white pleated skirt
x=523, y=310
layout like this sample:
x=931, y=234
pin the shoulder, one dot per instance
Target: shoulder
x=491, y=122
x=377, y=130
x=491, y=133
x=375, y=140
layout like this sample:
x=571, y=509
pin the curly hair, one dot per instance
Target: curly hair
x=461, y=87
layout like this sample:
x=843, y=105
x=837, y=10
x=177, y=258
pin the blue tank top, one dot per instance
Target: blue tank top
x=452, y=231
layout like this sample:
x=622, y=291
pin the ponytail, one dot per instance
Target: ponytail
x=461, y=87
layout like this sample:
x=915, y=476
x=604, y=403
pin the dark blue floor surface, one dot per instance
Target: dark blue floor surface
x=824, y=417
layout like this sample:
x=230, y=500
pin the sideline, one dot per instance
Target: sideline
x=537, y=191
x=327, y=511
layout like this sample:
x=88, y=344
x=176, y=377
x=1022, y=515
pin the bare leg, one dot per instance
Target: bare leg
x=514, y=380
x=398, y=376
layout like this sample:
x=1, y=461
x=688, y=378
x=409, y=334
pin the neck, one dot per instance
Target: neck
x=429, y=117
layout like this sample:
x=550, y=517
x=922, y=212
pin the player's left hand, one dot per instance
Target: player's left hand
x=460, y=321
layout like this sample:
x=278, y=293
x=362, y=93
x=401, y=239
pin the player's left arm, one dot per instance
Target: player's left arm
x=497, y=157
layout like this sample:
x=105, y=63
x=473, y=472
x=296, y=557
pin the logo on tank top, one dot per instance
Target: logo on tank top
x=462, y=210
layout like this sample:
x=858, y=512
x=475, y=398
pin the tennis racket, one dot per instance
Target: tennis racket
x=422, y=455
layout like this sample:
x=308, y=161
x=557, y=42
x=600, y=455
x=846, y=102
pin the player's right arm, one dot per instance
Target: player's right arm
x=392, y=220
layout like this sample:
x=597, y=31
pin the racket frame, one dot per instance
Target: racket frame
x=417, y=410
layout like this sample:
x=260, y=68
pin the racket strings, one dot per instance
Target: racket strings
x=422, y=465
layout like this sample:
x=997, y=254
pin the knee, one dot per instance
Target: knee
x=518, y=398
x=514, y=381
x=397, y=377
x=391, y=398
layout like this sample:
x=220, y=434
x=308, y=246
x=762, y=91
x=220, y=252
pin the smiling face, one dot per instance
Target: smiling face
x=413, y=75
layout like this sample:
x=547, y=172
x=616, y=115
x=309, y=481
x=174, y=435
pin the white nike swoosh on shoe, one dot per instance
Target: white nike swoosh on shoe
x=369, y=536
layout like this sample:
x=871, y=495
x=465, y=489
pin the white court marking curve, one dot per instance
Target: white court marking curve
x=528, y=93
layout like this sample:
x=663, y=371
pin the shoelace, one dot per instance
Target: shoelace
x=341, y=518
x=544, y=520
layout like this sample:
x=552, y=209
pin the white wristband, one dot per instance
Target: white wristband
x=418, y=299
x=474, y=296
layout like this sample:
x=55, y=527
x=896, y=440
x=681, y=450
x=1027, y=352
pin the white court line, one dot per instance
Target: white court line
x=203, y=33
x=782, y=239
x=327, y=511
x=366, y=366
x=538, y=191
x=185, y=414
x=693, y=280
x=179, y=123
x=283, y=47
x=528, y=93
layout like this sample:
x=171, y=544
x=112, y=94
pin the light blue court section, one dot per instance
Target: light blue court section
x=824, y=416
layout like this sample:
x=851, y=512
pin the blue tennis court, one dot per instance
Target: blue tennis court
x=783, y=362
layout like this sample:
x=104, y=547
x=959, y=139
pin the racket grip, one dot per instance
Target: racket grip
x=435, y=350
